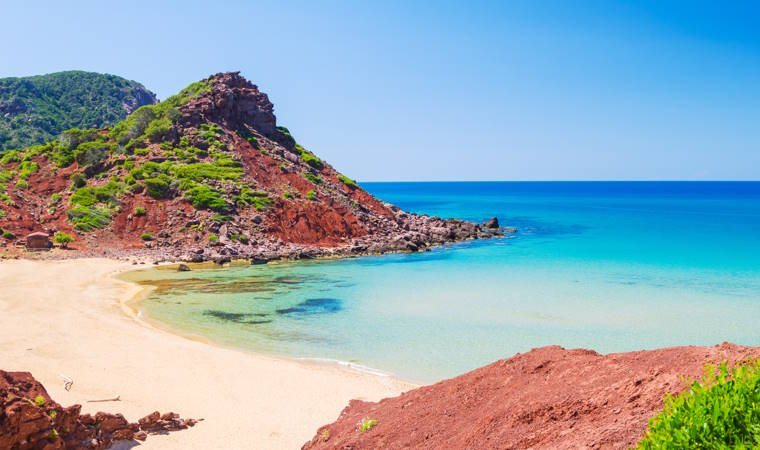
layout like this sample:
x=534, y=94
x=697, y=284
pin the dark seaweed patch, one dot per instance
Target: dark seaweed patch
x=236, y=317
x=313, y=306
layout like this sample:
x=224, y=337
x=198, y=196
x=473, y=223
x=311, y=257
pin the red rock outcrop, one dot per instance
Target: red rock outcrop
x=547, y=398
x=30, y=419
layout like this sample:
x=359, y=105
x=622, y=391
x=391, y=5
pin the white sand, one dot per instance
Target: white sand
x=68, y=317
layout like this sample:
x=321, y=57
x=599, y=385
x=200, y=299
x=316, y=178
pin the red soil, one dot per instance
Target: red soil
x=547, y=398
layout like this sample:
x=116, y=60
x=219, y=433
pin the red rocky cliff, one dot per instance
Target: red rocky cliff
x=548, y=398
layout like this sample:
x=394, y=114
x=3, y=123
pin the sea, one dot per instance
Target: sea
x=608, y=266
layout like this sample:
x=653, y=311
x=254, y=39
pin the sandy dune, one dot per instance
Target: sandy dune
x=67, y=317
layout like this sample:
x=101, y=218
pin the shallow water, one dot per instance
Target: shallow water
x=608, y=266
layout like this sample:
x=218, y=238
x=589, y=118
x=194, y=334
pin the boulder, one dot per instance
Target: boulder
x=492, y=223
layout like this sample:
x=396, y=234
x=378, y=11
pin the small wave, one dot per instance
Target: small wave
x=350, y=365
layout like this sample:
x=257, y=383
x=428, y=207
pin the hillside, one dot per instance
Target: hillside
x=547, y=398
x=34, y=110
x=205, y=174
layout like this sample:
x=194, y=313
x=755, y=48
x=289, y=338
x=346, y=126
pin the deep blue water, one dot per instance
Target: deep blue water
x=613, y=266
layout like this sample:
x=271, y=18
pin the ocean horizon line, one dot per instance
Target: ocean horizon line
x=562, y=181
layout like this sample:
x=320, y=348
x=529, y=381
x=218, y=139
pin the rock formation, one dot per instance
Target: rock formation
x=30, y=419
x=547, y=398
x=205, y=175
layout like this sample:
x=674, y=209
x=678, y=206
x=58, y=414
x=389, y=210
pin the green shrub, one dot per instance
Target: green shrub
x=287, y=195
x=77, y=180
x=63, y=239
x=39, y=400
x=139, y=211
x=147, y=236
x=10, y=157
x=204, y=197
x=223, y=169
x=22, y=184
x=158, y=129
x=721, y=411
x=367, y=424
x=91, y=153
x=313, y=178
x=8, y=235
x=87, y=218
x=309, y=157
x=347, y=181
x=27, y=168
x=141, y=151
x=158, y=187
x=213, y=238
x=89, y=196
x=249, y=197
x=55, y=198
x=311, y=195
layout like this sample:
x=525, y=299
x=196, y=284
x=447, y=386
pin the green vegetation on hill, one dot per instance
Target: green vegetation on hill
x=721, y=411
x=36, y=109
x=117, y=162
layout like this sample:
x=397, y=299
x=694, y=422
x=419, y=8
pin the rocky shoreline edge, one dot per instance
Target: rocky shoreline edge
x=406, y=233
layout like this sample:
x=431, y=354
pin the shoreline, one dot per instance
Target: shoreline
x=78, y=321
x=130, y=306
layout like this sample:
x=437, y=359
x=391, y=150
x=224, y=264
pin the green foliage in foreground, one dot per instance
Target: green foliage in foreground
x=722, y=411
x=311, y=195
x=147, y=236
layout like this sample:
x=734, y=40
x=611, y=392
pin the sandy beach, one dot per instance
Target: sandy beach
x=69, y=317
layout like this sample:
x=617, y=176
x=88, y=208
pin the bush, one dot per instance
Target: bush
x=213, y=238
x=147, y=236
x=139, y=211
x=22, y=184
x=86, y=218
x=158, y=129
x=91, y=153
x=77, y=180
x=158, y=187
x=63, y=239
x=347, y=181
x=203, y=197
x=721, y=411
x=311, y=195
x=55, y=198
x=313, y=178
x=367, y=424
x=8, y=235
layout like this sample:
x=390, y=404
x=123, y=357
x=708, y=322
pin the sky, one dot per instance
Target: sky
x=470, y=90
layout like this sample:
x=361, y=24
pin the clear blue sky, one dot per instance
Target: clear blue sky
x=399, y=90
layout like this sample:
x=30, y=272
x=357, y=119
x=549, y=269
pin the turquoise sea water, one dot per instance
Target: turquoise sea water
x=608, y=266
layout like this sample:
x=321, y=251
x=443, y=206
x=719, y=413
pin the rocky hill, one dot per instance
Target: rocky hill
x=205, y=174
x=547, y=398
x=34, y=110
